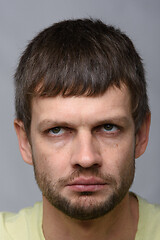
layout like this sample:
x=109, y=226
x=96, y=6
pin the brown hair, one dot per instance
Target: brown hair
x=79, y=57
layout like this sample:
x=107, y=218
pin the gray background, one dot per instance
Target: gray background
x=20, y=20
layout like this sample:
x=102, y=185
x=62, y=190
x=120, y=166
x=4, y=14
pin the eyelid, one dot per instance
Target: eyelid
x=112, y=125
x=100, y=128
x=63, y=129
x=50, y=131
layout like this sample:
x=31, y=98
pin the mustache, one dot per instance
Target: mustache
x=92, y=172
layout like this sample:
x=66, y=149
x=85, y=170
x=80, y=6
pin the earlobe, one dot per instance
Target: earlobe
x=142, y=136
x=24, y=144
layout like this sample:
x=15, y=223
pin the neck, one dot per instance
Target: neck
x=121, y=223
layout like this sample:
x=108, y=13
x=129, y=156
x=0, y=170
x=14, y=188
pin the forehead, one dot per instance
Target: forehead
x=113, y=103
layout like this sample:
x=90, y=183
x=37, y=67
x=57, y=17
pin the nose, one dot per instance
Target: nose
x=86, y=152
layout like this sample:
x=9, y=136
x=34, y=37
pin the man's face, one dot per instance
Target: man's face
x=83, y=151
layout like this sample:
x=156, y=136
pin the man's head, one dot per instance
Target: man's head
x=79, y=57
x=82, y=115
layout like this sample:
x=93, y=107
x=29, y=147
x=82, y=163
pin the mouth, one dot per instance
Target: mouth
x=91, y=184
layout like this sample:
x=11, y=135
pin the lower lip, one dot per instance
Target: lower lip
x=87, y=188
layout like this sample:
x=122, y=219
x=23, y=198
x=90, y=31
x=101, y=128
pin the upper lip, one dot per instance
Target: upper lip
x=87, y=181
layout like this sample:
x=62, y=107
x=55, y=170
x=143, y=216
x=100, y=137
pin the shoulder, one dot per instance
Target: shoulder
x=149, y=220
x=22, y=224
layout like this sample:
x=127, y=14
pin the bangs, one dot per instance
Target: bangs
x=88, y=78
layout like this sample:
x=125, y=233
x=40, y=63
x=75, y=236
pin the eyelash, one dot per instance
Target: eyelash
x=96, y=129
x=101, y=130
x=49, y=131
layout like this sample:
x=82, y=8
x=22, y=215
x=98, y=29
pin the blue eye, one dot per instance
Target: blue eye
x=56, y=131
x=110, y=128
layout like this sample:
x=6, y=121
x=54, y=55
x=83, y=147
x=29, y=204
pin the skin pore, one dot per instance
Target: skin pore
x=83, y=151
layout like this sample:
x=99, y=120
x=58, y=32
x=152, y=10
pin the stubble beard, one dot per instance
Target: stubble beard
x=86, y=207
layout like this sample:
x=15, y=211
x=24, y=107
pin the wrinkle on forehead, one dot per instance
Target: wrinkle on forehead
x=113, y=105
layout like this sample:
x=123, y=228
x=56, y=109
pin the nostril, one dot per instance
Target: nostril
x=80, y=167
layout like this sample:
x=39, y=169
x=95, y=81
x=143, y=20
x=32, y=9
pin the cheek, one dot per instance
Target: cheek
x=118, y=157
x=51, y=160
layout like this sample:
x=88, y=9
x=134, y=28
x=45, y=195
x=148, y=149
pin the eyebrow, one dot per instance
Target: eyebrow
x=114, y=120
x=49, y=123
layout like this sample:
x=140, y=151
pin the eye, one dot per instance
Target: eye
x=110, y=128
x=57, y=131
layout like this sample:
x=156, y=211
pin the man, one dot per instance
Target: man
x=82, y=119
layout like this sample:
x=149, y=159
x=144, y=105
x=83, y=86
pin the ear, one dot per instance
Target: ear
x=24, y=144
x=142, y=136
